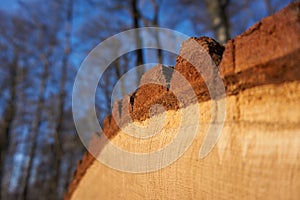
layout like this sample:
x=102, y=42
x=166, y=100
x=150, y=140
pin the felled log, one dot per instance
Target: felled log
x=257, y=154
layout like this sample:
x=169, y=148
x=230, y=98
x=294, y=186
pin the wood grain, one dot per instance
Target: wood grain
x=258, y=153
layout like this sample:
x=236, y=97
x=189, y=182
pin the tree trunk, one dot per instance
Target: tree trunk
x=119, y=69
x=9, y=113
x=220, y=24
x=119, y=74
x=139, y=52
x=269, y=8
x=155, y=24
x=58, y=149
x=35, y=129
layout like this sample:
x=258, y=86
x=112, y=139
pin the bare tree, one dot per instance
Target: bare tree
x=13, y=48
x=156, y=24
x=154, y=21
x=35, y=125
x=9, y=114
x=58, y=151
x=136, y=15
x=220, y=24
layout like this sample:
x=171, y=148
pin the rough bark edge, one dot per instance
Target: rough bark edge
x=274, y=71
